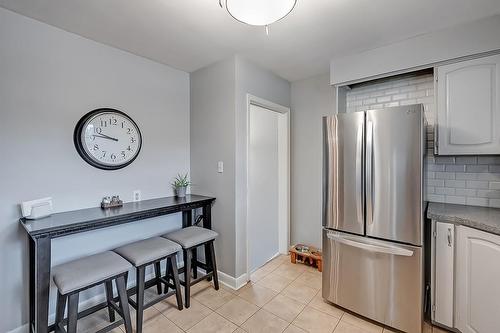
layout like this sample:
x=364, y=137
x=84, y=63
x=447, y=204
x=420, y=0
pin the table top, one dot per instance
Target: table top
x=65, y=223
x=481, y=218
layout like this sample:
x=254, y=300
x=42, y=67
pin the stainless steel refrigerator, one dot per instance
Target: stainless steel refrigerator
x=373, y=214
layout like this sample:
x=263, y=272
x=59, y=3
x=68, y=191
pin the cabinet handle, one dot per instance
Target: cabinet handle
x=449, y=237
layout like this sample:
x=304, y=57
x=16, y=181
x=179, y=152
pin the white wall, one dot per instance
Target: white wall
x=49, y=79
x=263, y=186
x=311, y=99
x=462, y=40
x=213, y=140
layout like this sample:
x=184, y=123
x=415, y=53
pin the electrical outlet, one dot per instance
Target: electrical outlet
x=137, y=195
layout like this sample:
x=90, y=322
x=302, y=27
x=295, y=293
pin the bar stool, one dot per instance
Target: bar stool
x=75, y=276
x=147, y=252
x=190, y=239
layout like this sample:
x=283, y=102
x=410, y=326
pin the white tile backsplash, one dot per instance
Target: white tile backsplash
x=471, y=180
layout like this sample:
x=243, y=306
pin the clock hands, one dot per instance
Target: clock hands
x=104, y=136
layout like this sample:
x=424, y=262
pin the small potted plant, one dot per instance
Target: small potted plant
x=180, y=183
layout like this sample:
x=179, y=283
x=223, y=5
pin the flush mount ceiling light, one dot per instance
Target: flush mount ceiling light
x=258, y=12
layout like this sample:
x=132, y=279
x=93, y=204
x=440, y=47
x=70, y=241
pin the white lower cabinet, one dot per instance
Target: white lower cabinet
x=477, y=290
x=443, y=267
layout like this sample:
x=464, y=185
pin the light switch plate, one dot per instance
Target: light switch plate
x=220, y=167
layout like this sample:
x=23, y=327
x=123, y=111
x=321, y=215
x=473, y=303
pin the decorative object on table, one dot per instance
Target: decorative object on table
x=107, y=139
x=109, y=202
x=180, y=184
x=36, y=209
x=308, y=255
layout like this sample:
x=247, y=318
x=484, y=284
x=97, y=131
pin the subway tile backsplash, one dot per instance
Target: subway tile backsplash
x=465, y=180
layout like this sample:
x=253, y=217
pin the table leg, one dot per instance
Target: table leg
x=207, y=223
x=39, y=284
x=187, y=218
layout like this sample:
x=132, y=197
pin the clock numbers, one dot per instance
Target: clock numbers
x=108, y=139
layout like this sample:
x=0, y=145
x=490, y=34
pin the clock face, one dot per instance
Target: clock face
x=107, y=139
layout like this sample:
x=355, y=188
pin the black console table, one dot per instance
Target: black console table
x=42, y=231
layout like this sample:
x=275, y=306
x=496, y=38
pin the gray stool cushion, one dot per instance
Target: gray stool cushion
x=147, y=250
x=84, y=272
x=191, y=236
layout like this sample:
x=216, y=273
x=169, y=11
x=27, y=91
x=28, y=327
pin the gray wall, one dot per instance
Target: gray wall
x=212, y=140
x=257, y=81
x=49, y=79
x=311, y=100
x=219, y=133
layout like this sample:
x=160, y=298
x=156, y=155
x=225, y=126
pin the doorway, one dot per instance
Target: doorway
x=268, y=182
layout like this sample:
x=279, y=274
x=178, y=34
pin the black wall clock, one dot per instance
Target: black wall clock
x=107, y=139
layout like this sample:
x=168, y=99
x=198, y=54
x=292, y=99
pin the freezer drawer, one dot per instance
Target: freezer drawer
x=376, y=279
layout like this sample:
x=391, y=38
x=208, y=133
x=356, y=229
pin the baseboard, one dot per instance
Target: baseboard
x=232, y=282
x=21, y=329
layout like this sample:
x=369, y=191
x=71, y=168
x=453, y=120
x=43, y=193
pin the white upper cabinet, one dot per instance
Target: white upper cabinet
x=468, y=107
x=477, y=281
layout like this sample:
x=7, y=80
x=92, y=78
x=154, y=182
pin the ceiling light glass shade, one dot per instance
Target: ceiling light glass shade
x=259, y=12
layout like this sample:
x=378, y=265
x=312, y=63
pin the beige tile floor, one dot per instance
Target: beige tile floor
x=281, y=297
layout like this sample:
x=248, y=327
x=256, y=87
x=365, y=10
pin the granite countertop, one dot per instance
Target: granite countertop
x=482, y=218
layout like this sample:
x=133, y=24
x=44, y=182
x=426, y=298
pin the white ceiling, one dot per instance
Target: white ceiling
x=190, y=34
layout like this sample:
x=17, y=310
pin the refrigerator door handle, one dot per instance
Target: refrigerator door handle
x=378, y=248
x=369, y=172
x=359, y=173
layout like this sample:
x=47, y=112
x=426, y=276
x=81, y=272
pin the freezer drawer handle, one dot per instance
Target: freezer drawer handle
x=394, y=250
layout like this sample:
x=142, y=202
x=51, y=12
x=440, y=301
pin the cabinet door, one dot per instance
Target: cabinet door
x=468, y=107
x=444, y=247
x=478, y=281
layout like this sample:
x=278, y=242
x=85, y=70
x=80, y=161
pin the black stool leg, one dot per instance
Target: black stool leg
x=121, y=286
x=157, y=277
x=175, y=276
x=208, y=259
x=141, y=275
x=72, y=312
x=168, y=274
x=214, y=265
x=187, y=276
x=109, y=299
x=60, y=307
x=194, y=264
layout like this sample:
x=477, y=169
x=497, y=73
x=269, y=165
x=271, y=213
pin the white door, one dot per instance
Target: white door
x=443, y=253
x=265, y=197
x=468, y=107
x=478, y=277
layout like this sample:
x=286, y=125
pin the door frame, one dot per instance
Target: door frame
x=284, y=172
